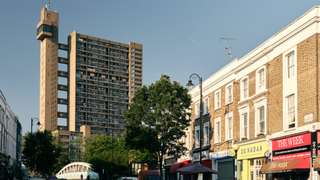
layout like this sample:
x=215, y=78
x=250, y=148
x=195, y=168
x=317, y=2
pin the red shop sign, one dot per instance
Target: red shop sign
x=292, y=147
x=291, y=142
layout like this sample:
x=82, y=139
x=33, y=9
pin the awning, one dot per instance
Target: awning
x=317, y=164
x=287, y=165
x=207, y=164
x=178, y=165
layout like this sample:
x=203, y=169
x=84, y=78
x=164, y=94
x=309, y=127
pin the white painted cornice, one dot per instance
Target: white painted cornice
x=237, y=65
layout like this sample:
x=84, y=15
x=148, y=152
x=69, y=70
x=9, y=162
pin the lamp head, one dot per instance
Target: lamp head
x=190, y=84
x=38, y=123
x=235, y=147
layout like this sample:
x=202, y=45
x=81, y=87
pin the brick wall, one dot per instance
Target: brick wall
x=307, y=82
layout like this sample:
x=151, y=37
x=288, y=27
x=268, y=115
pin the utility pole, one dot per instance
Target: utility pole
x=228, y=48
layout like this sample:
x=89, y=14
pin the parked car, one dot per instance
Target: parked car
x=149, y=175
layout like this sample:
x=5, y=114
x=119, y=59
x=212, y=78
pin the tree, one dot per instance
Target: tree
x=157, y=118
x=40, y=152
x=99, y=154
x=76, y=149
x=63, y=158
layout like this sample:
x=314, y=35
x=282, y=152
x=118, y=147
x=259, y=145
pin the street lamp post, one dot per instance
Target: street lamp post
x=190, y=84
x=32, y=122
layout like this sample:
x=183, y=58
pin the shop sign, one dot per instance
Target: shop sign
x=292, y=147
x=308, y=118
x=196, y=156
x=184, y=158
x=219, y=155
x=313, y=147
x=252, y=150
x=318, y=142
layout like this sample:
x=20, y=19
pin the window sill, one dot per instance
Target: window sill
x=227, y=103
x=291, y=129
x=243, y=100
x=251, y=97
x=217, y=108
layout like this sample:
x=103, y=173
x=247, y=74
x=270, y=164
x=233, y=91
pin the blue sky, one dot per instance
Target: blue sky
x=179, y=37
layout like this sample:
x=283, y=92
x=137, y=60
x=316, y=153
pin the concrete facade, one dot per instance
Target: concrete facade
x=91, y=87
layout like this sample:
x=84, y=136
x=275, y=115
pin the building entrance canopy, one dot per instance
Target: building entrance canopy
x=178, y=165
x=287, y=165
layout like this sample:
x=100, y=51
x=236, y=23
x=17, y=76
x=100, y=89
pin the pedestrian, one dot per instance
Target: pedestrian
x=81, y=176
x=88, y=177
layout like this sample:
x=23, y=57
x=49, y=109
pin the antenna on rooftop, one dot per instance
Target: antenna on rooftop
x=49, y=5
x=228, y=48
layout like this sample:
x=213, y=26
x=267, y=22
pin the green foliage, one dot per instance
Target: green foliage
x=98, y=152
x=157, y=118
x=63, y=158
x=41, y=152
x=76, y=149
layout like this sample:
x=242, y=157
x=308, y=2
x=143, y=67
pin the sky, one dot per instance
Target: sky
x=179, y=37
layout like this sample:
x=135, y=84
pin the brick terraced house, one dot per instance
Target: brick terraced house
x=265, y=106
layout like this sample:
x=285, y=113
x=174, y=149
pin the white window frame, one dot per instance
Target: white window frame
x=228, y=96
x=291, y=111
x=244, y=95
x=258, y=104
x=217, y=99
x=197, y=137
x=217, y=130
x=206, y=104
x=206, y=137
x=244, y=117
x=260, y=82
x=188, y=143
x=290, y=64
x=197, y=110
x=228, y=128
x=244, y=109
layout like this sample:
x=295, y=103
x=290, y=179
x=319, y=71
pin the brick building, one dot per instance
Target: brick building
x=264, y=105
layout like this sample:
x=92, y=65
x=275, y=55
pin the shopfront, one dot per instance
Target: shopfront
x=251, y=158
x=224, y=164
x=168, y=162
x=206, y=161
x=290, y=157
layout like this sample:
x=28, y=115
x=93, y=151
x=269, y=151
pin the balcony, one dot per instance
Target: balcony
x=44, y=31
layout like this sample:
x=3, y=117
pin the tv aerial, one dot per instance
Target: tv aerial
x=228, y=48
